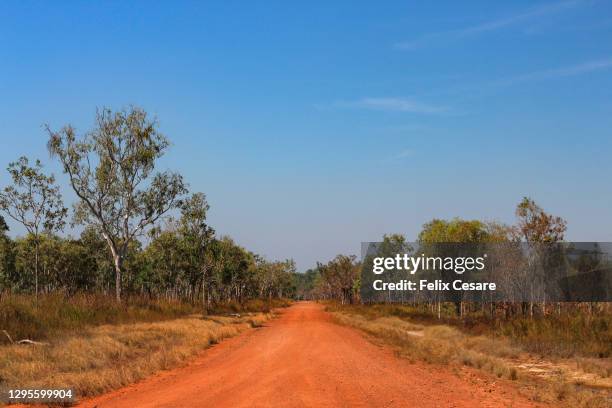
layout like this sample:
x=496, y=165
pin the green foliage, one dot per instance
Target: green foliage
x=250, y=306
x=305, y=283
x=338, y=279
x=458, y=230
x=7, y=255
x=3, y=226
x=33, y=199
x=121, y=199
x=111, y=169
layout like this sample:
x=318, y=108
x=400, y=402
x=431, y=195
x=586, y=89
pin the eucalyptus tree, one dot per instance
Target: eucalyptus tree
x=111, y=170
x=536, y=225
x=197, y=236
x=339, y=275
x=34, y=201
x=7, y=262
x=539, y=229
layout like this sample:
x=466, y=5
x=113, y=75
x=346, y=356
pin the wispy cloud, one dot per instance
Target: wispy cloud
x=542, y=75
x=573, y=70
x=403, y=154
x=392, y=104
x=398, y=156
x=491, y=25
x=486, y=88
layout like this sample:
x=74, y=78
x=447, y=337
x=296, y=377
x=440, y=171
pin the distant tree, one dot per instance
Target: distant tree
x=103, y=269
x=7, y=258
x=166, y=256
x=111, y=171
x=458, y=230
x=339, y=275
x=274, y=278
x=33, y=201
x=499, y=232
x=535, y=225
x=197, y=236
x=455, y=230
x=305, y=283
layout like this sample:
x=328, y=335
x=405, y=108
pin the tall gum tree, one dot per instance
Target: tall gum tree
x=111, y=170
x=34, y=201
x=535, y=225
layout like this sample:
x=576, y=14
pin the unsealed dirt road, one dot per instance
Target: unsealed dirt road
x=304, y=359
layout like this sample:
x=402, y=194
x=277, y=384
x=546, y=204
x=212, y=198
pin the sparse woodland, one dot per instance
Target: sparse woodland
x=145, y=261
x=142, y=233
x=553, y=328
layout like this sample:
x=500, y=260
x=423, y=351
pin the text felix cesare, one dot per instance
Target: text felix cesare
x=414, y=264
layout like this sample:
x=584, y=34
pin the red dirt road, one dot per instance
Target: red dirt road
x=303, y=359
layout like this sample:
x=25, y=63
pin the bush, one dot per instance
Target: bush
x=250, y=305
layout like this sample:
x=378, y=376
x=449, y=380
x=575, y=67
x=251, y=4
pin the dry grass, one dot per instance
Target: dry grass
x=110, y=356
x=573, y=333
x=57, y=315
x=569, y=335
x=442, y=344
x=437, y=344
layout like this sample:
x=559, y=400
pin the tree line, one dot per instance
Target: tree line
x=142, y=231
x=340, y=278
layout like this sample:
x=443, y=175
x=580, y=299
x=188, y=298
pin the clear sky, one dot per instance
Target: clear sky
x=313, y=127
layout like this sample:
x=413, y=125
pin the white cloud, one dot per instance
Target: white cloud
x=392, y=104
x=487, y=26
x=403, y=154
x=573, y=70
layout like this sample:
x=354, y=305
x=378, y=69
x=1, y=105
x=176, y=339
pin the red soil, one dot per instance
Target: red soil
x=303, y=359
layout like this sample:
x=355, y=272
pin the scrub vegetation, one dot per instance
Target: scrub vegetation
x=567, y=382
x=105, y=357
x=148, y=282
x=560, y=351
x=145, y=284
x=143, y=233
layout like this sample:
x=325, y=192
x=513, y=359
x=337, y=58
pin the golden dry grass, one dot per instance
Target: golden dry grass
x=440, y=344
x=110, y=356
x=574, y=333
x=436, y=344
x=56, y=315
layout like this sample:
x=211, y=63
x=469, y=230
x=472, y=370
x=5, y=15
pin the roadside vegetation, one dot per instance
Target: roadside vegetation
x=105, y=357
x=142, y=232
x=573, y=383
x=55, y=316
x=145, y=283
x=571, y=334
x=92, y=344
x=560, y=352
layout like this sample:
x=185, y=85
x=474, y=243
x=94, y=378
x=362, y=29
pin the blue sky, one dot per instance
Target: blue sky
x=313, y=127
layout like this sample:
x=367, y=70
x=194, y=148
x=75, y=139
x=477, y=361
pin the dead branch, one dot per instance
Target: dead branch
x=23, y=341
x=9, y=336
x=28, y=341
